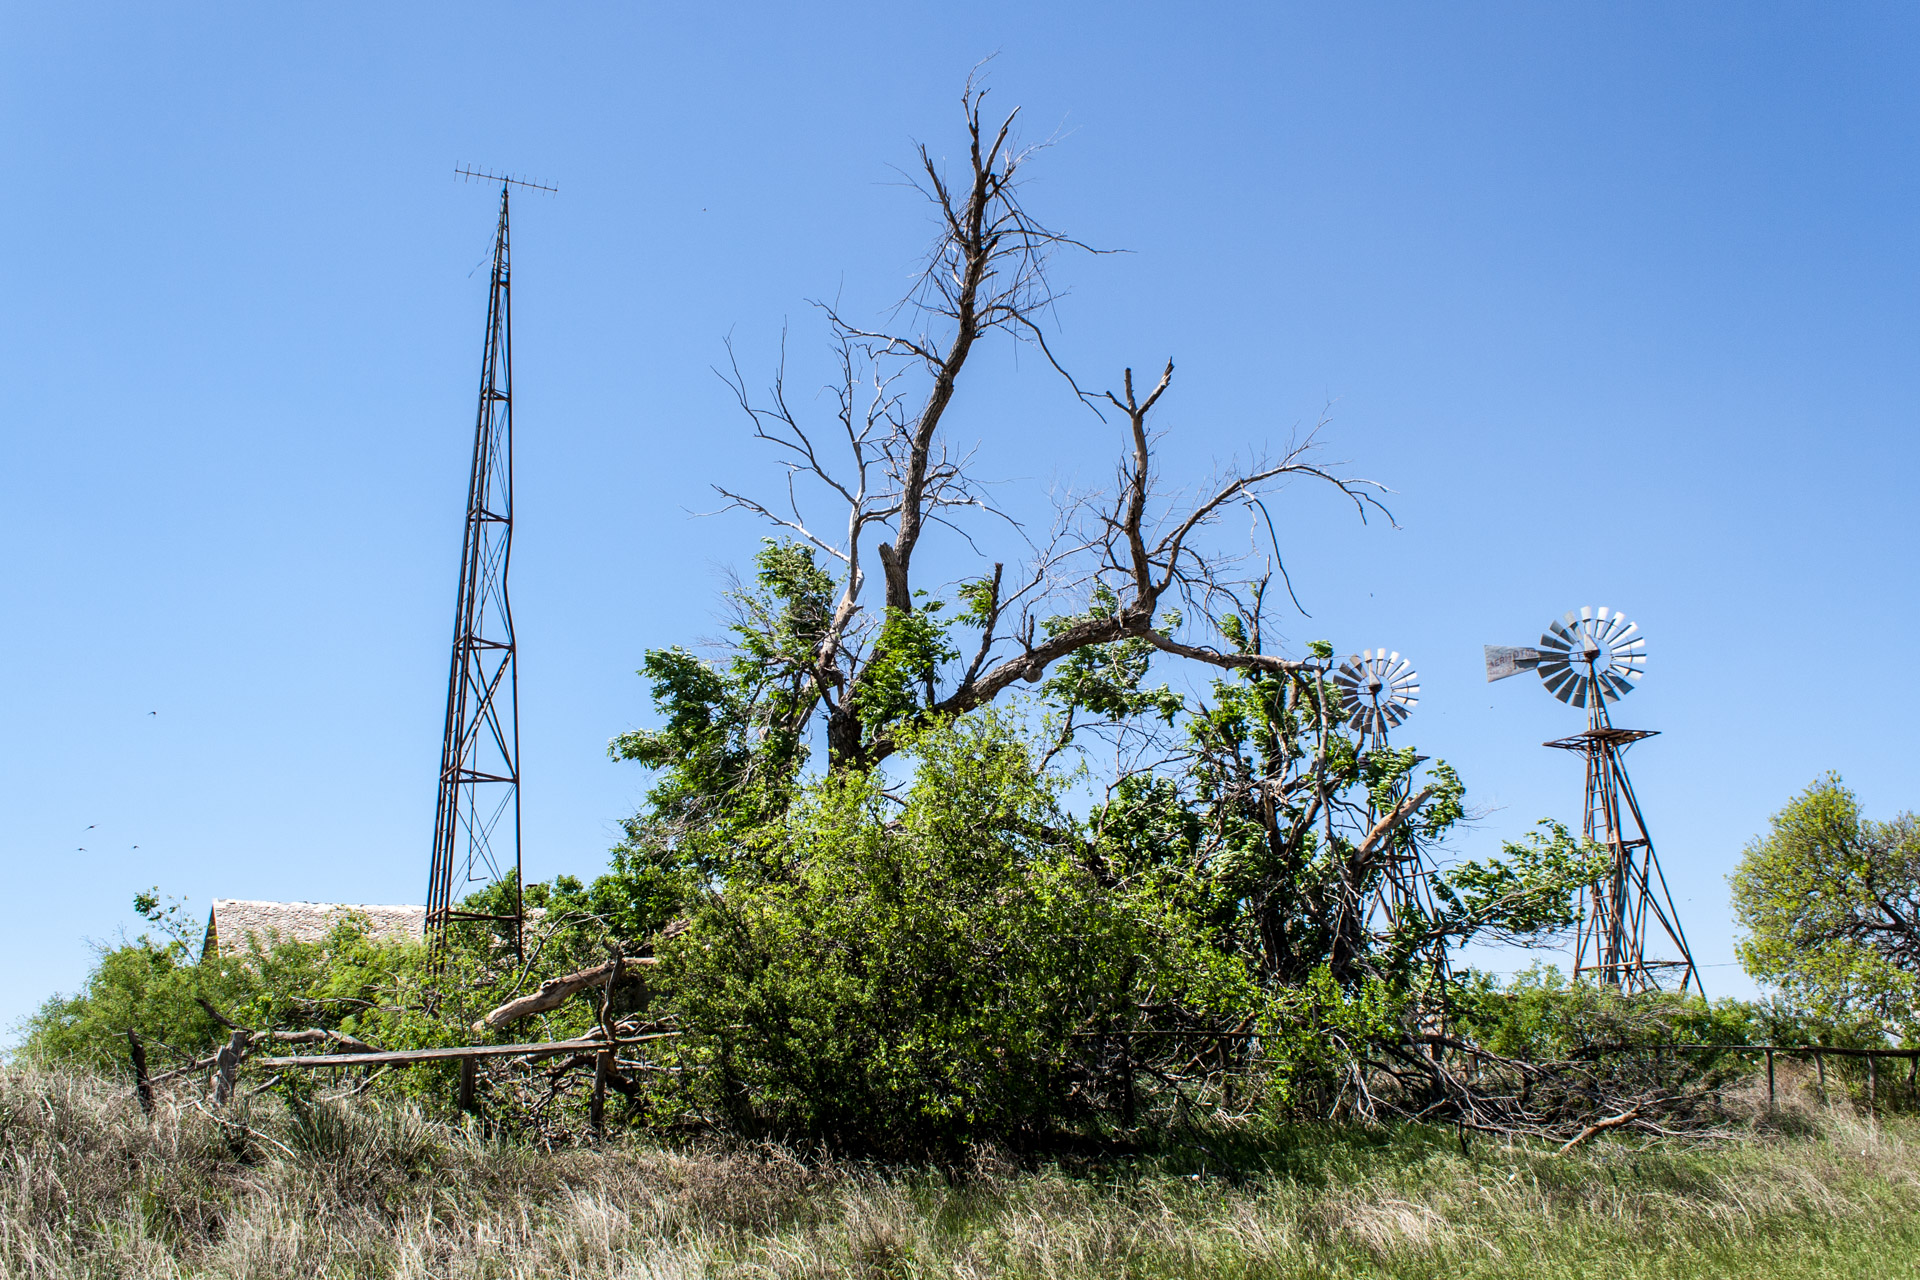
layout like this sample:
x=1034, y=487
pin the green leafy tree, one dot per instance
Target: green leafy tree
x=913, y=974
x=162, y=989
x=1830, y=905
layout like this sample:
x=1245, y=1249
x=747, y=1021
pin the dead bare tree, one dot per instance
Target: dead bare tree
x=889, y=467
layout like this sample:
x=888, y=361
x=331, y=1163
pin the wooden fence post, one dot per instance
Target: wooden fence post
x=469, y=1074
x=226, y=1066
x=1873, y=1081
x=142, y=1083
x=1770, y=1082
x=1820, y=1065
x=602, y=1063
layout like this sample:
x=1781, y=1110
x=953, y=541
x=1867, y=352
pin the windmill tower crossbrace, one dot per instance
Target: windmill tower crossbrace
x=1629, y=934
x=476, y=826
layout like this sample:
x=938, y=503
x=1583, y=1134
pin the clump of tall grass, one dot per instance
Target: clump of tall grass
x=89, y=1186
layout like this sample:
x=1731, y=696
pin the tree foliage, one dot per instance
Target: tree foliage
x=1830, y=904
x=913, y=969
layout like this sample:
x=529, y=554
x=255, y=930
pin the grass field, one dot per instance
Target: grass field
x=88, y=1187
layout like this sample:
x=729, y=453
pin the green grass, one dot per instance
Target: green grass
x=88, y=1187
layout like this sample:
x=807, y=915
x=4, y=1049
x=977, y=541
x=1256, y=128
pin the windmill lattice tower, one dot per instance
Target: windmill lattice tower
x=476, y=823
x=1629, y=934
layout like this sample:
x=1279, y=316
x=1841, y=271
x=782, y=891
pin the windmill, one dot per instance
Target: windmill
x=1629, y=935
x=1378, y=691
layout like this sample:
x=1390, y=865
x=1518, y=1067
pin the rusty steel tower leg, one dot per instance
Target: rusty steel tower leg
x=476, y=827
x=1631, y=937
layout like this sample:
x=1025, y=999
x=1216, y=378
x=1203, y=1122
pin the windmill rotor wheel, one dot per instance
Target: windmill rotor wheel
x=1592, y=655
x=1378, y=690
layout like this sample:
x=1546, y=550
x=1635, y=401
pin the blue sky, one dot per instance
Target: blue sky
x=1620, y=300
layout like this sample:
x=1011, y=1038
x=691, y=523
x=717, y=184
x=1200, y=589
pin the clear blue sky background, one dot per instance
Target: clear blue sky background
x=1619, y=299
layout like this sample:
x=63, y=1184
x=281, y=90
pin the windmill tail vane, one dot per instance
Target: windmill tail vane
x=1504, y=661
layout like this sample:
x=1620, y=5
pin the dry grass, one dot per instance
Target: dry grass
x=88, y=1187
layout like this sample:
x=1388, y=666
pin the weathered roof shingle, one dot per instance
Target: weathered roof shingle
x=233, y=919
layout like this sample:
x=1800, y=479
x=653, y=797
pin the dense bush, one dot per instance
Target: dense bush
x=160, y=988
x=913, y=969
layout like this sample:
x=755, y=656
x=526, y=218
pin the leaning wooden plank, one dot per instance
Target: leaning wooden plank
x=351, y=1044
x=402, y=1057
x=554, y=993
x=399, y=1056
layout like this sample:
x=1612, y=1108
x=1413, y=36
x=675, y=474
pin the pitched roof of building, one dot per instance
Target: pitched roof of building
x=233, y=919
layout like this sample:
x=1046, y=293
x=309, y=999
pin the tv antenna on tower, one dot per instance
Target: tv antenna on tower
x=1588, y=659
x=476, y=823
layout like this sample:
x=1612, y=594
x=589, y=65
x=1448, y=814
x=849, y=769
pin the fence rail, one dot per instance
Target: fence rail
x=603, y=1050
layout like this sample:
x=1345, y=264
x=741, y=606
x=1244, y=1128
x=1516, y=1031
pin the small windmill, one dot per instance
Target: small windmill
x=1378, y=691
x=1589, y=659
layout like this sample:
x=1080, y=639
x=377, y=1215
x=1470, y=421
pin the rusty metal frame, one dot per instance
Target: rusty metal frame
x=476, y=826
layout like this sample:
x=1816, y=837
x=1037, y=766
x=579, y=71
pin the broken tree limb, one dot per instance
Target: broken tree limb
x=1600, y=1126
x=218, y=1016
x=317, y=1035
x=1399, y=814
x=555, y=991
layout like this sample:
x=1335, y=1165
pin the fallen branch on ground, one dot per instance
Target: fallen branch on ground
x=1600, y=1126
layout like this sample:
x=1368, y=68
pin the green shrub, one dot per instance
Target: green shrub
x=915, y=977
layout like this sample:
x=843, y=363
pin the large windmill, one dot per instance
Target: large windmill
x=1630, y=935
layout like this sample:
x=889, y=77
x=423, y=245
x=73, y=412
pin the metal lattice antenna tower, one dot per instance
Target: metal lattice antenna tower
x=1630, y=935
x=476, y=824
x=1378, y=691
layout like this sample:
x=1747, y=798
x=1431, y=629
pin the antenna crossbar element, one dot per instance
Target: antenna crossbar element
x=481, y=175
x=476, y=824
